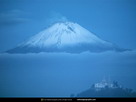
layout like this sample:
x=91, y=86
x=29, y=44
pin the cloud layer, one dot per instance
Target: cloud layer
x=15, y=16
x=60, y=74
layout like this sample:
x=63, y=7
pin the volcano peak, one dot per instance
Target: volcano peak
x=64, y=37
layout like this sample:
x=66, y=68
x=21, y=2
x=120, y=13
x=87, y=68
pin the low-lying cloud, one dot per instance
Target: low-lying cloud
x=60, y=74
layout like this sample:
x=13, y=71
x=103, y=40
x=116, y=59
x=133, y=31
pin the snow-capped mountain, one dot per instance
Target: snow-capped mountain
x=64, y=37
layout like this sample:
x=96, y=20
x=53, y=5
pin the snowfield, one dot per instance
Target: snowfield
x=65, y=37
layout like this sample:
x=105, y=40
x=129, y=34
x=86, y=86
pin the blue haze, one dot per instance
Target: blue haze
x=113, y=20
x=61, y=74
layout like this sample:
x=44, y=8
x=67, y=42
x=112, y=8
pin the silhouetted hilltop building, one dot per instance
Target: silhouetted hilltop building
x=107, y=89
x=106, y=84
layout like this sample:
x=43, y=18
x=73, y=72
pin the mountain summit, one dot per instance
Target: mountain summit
x=64, y=37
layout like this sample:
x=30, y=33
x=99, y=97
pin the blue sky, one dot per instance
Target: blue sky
x=111, y=20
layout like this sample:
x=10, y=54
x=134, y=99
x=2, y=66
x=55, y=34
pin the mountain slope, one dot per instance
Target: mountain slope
x=64, y=37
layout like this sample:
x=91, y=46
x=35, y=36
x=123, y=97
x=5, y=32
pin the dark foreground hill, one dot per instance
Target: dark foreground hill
x=105, y=89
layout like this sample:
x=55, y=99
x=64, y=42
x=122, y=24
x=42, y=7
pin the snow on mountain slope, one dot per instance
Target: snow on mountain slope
x=63, y=34
x=64, y=37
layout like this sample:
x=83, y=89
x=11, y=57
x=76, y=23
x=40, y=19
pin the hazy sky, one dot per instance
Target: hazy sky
x=111, y=20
